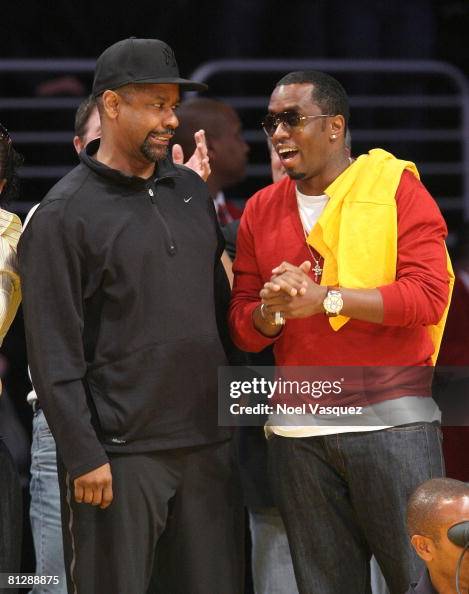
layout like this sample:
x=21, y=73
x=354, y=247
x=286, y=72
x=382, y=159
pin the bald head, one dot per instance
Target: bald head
x=433, y=508
x=202, y=113
x=432, y=503
x=227, y=149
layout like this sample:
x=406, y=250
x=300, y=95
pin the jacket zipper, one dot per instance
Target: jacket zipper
x=170, y=243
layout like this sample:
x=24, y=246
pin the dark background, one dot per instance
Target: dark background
x=201, y=31
x=244, y=29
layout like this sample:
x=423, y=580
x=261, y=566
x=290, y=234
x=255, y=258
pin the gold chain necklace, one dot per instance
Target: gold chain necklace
x=318, y=269
x=317, y=261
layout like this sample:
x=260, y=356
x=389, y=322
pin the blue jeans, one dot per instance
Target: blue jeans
x=343, y=498
x=378, y=583
x=45, y=507
x=272, y=568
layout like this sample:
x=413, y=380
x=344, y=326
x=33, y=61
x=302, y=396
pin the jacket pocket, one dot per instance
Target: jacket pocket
x=159, y=391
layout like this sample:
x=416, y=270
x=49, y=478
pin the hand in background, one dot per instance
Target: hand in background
x=199, y=162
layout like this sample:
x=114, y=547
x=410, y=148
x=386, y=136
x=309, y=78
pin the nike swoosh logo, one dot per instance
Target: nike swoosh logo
x=186, y=200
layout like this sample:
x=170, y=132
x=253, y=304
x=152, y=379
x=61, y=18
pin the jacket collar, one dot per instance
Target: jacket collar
x=163, y=169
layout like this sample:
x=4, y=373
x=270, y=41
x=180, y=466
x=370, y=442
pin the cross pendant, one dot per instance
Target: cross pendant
x=317, y=271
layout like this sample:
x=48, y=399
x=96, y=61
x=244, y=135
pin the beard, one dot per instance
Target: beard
x=154, y=153
x=295, y=174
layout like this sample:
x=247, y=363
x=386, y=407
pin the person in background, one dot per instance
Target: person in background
x=452, y=385
x=227, y=149
x=10, y=297
x=227, y=152
x=433, y=508
x=87, y=124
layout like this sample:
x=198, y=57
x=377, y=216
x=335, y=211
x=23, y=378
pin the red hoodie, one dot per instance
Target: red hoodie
x=271, y=231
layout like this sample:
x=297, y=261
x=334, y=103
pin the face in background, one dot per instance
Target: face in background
x=143, y=120
x=228, y=150
x=440, y=554
x=306, y=150
x=92, y=131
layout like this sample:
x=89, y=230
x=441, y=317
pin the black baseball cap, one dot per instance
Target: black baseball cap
x=139, y=61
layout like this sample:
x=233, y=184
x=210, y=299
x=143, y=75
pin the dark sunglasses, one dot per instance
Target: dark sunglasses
x=288, y=119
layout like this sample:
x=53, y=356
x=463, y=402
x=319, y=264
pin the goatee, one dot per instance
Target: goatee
x=296, y=175
x=155, y=153
x=152, y=153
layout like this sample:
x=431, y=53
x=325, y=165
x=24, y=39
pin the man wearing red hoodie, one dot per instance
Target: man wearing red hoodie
x=342, y=484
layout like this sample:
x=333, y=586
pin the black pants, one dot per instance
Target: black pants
x=11, y=516
x=175, y=526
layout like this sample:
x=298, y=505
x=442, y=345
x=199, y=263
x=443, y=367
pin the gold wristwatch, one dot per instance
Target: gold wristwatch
x=333, y=302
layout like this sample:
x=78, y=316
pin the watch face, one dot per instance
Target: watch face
x=333, y=303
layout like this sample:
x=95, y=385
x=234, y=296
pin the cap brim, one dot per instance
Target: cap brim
x=184, y=83
x=187, y=85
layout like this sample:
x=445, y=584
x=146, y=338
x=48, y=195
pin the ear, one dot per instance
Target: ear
x=2, y=184
x=337, y=128
x=111, y=104
x=424, y=547
x=78, y=144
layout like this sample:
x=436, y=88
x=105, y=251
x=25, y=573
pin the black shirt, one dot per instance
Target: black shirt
x=124, y=299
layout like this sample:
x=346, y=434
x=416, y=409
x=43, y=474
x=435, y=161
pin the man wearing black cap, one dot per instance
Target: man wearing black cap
x=124, y=302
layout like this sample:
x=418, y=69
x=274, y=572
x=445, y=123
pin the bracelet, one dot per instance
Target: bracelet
x=279, y=319
x=263, y=315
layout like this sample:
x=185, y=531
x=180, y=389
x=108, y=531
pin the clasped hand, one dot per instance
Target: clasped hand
x=292, y=292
